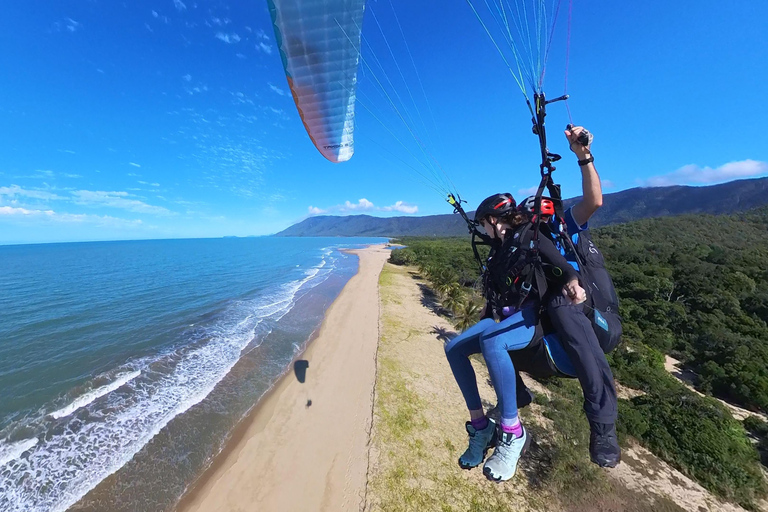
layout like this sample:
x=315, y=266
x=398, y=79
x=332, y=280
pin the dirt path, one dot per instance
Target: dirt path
x=687, y=377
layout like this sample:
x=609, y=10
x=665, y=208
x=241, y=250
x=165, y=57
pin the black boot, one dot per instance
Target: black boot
x=524, y=395
x=603, y=445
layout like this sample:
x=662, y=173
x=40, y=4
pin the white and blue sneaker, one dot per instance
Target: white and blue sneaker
x=502, y=464
x=480, y=441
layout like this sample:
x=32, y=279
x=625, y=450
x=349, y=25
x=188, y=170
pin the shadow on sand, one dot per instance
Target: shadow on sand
x=300, y=369
x=428, y=298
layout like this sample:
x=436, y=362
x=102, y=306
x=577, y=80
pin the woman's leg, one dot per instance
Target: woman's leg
x=481, y=430
x=514, y=333
x=457, y=351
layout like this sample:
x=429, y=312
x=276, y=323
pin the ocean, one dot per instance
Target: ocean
x=125, y=366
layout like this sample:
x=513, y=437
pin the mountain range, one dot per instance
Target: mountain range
x=624, y=206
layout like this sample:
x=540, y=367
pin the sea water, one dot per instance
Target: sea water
x=124, y=366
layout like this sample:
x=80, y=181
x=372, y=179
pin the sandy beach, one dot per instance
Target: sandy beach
x=292, y=456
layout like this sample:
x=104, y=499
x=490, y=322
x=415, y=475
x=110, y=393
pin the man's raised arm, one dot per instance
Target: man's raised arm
x=592, y=192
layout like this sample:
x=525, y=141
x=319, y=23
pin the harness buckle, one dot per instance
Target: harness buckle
x=525, y=290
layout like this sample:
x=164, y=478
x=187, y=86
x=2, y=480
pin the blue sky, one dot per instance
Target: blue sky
x=173, y=118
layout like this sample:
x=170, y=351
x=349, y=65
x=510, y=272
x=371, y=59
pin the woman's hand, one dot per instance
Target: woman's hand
x=575, y=292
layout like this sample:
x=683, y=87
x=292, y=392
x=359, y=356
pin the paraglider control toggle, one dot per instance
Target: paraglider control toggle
x=584, y=138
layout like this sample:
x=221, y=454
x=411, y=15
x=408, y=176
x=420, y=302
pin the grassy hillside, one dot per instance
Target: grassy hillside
x=692, y=286
x=418, y=429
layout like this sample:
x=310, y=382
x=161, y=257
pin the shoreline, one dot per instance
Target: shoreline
x=284, y=442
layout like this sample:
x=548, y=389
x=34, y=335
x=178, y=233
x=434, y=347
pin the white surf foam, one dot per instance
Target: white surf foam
x=10, y=451
x=92, y=395
x=52, y=475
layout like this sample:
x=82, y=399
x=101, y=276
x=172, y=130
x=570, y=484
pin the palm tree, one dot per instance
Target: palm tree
x=454, y=298
x=467, y=314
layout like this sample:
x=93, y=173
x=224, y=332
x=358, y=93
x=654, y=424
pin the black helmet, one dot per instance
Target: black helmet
x=497, y=205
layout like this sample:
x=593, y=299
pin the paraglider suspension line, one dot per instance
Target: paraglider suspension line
x=484, y=239
x=547, y=168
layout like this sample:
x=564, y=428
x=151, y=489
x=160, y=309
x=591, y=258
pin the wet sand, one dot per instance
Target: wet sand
x=305, y=447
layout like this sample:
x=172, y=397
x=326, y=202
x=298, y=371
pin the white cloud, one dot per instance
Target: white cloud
x=17, y=191
x=607, y=184
x=180, y=6
x=402, y=207
x=525, y=192
x=154, y=14
x=8, y=211
x=187, y=77
x=228, y=38
x=73, y=25
x=134, y=164
x=362, y=204
x=266, y=48
x=120, y=200
x=277, y=90
x=197, y=89
x=365, y=205
x=40, y=174
x=693, y=174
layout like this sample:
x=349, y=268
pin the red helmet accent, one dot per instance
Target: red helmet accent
x=498, y=205
x=547, y=205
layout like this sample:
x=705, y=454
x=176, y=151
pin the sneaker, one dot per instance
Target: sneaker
x=603, y=445
x=479, y=443
x=502, y=464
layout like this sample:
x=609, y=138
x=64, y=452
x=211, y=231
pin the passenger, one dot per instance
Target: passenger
x=515, y=284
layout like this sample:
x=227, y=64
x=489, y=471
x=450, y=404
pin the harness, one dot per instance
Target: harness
x=509, y=267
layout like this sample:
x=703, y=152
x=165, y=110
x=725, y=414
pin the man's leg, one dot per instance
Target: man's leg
x=594, y=374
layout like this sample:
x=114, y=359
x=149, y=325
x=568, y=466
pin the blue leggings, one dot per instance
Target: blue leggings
x=493, y=340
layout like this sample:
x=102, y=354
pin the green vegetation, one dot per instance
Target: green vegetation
x=699, y=437
x=756, y=426
x=418, y=436
x=565, y=469
x=692, y=286
x=448, y=263
x=697, y=287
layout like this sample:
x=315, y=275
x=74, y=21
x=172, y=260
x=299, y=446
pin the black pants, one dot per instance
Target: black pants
x=580, y=343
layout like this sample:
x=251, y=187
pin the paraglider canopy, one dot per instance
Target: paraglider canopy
x=319, y=42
